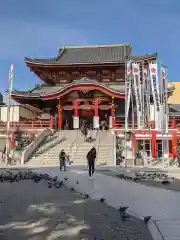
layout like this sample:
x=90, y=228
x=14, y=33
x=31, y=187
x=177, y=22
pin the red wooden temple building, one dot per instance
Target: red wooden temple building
x=82, y=83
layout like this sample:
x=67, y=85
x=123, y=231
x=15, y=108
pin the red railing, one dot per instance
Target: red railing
x=28, y=125
x=120, y=124
x=38, y=124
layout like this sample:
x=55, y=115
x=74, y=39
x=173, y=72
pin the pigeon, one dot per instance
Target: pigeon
x=58, y=184
x=55, y=179
x=165, y=181
x=124, y=217
x=146, y=219
x=121, y=175
x=102, y=200
x=86, y=196
x=122, y=209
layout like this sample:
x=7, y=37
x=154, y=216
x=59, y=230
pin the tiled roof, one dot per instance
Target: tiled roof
x=145, y=57
x=174, y=110
x=174, y=107
x=94, y=54
x=88, y=55
x=45, y=90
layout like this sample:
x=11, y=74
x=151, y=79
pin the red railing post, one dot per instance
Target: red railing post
x=51, y=123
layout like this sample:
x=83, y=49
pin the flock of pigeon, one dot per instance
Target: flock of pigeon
x=11, y=177
x=156, y=176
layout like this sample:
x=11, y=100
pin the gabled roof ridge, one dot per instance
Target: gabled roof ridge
x=96, y=46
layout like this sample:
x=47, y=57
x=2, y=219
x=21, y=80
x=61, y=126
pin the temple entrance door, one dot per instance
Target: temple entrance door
x=67, y=119
x=104, y=116
x=159, y=148
x=86, y=116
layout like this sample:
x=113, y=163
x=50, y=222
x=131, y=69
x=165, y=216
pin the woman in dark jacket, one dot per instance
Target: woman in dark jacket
x=91, y=157
x=62, y=160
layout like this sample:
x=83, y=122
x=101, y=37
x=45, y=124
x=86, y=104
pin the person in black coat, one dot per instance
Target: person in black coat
x=91, y=157
x=62, y=160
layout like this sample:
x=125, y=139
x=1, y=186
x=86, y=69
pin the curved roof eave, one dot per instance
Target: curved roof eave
x=53, y=62
x=71, y=87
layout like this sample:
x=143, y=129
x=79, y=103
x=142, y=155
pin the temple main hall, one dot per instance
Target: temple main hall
x=81, y=83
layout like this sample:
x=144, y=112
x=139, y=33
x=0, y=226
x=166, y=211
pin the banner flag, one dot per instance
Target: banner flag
x=155, y=93
x=146, y=94
x=165, y=120
x=137, y=91
x=128, y=91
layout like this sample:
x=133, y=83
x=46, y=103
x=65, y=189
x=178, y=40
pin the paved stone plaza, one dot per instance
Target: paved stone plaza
x=32, y=211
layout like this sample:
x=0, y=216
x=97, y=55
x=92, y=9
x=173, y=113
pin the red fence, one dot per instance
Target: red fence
x=27, y=125
x=120, y=124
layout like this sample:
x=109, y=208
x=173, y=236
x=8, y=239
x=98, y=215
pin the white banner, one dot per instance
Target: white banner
x=128, y=91
x=146, y=95
x=165, y=119
x=155, y=92
x=137, y=91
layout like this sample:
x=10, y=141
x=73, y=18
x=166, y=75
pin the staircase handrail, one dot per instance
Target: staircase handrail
x=74, y=141
x=50, y=144
x=114, y=147
x=29, y=150
x=98, y=144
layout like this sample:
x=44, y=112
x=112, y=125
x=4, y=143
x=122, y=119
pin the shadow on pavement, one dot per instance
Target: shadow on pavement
x=33, y=211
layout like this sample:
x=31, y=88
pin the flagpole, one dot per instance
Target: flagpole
x=10, y=79
x=132, y=109
x=126, y=116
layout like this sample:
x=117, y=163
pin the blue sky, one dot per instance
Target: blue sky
x=38, y=28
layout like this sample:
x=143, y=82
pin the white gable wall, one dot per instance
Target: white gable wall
x=16, y=113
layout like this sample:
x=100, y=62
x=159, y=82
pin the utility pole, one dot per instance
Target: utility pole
x=132, y=109
x=127, y=101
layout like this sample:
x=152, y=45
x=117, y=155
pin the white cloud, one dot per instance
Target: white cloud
x=19, y=39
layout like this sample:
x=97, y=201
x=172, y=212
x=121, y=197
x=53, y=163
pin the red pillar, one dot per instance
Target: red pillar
x=59, y=116
x=96, y=108
x=153, y=143
x=113, y=114
x=174, y=144
x=32, y=124
x=76, y=108
x=173, y=125
x=51, y=123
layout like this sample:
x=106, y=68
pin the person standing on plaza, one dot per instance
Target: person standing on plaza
x=62, y=160
x=91, y=157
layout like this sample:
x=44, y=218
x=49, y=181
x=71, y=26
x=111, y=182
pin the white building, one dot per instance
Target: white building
x=19, y=112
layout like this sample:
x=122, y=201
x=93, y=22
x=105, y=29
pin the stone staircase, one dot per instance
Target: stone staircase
x=74, y=144
x=106, y=148
x=82, y=147
x=66, y=140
